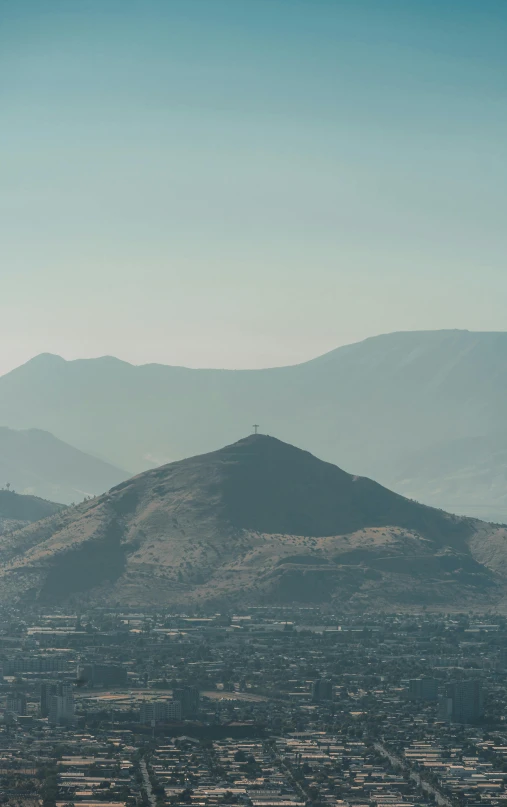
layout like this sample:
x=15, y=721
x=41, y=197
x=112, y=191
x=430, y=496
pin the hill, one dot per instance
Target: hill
x=372, y=406
x=35, y=462
x=16, y=510
x=258, y=521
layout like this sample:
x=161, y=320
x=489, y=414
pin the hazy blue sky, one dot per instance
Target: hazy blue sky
x=242, y=183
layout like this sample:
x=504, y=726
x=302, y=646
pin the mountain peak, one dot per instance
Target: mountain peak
x=46, y=359
x=261, y=442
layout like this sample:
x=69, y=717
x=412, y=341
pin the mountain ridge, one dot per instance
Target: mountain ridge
x=367, y=405
x=41, y=357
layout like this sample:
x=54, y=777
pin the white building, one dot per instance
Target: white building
x=61, y=706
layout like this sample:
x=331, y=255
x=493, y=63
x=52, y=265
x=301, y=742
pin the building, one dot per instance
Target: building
x=47, y=690
x=463, y=701
x=16, y=703
x=159, y=711
x=106, y=675
x=322, y=690
x=423, y=689
x=173, y=710
x=189, y=698
x=35, y=664
x=61, y=705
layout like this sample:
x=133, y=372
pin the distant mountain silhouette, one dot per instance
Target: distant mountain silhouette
x=258, y=521
x=464, y=475
x=37, y=463
x=17, y=510
x=372, y=406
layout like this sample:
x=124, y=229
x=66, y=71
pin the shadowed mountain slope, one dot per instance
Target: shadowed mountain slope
x=257, y=521
x=272, y=487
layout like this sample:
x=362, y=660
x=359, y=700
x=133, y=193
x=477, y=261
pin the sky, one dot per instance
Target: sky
x=248, y=183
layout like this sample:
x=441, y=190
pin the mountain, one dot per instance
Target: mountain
x=35, y=462
x=259, y=521
x=372, y=406
x=17, y=511
x=465, y=475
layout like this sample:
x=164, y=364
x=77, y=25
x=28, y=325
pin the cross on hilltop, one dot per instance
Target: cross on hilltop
x=256, y=428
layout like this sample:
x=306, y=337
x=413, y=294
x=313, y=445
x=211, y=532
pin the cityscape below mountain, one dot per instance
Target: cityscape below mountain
x=252, y=624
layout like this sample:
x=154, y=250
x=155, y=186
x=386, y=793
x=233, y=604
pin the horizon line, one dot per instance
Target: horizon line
x=110, y=357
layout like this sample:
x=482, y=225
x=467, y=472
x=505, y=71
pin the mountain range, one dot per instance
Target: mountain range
x=257, y=522
x=37, y=463
x=421, y=412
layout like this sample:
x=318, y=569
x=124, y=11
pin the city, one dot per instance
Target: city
x=271, y=707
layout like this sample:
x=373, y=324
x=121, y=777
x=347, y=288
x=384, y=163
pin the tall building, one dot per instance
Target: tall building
x=463, y=702
x=47, y=690
x=322, y=690
x=61, y=705
x=189, y=698
x=423, y=689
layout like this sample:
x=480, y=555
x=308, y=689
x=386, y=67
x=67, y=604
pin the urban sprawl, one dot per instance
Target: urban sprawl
x=270, y=707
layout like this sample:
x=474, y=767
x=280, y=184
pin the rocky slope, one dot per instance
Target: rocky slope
x=258, y=521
